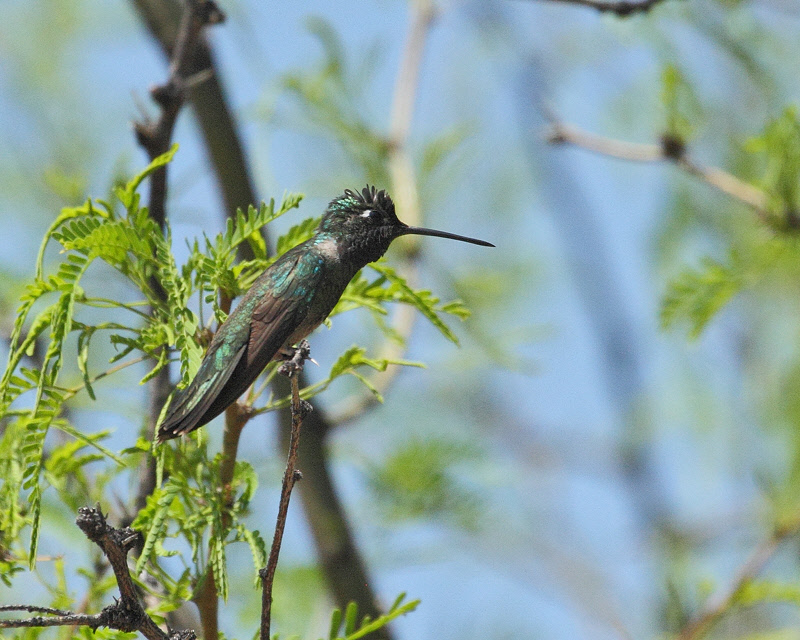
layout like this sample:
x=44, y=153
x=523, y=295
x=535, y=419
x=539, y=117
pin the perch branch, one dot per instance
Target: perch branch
x=127, y=613
x=300, y=408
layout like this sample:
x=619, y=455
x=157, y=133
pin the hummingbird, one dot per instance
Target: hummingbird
x=288, y=301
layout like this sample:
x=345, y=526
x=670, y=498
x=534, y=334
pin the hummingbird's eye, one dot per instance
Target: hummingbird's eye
x=371, y=215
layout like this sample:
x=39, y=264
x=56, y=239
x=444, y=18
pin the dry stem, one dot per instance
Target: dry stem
x=291, y=475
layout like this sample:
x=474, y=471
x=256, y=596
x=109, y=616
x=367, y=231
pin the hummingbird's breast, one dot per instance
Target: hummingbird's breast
x=335, y=272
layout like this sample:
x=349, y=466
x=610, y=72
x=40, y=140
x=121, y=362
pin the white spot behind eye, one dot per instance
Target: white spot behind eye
x=367, y=213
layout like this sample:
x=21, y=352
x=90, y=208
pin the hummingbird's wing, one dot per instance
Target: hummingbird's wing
x=270, y=312
x=190, y=406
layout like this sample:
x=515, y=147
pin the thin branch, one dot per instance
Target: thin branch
x=156, y=137
x=206, y=596
x=291, y=475
x=621, y=8
x=126, y=614
x=406, y=197
x=717, y=606
x=209, y=102
x=30, y=608
x=669, y=150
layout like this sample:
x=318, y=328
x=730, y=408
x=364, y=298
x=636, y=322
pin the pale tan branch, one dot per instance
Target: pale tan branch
x=406, y=196
x=669, y=150
x=721, y=603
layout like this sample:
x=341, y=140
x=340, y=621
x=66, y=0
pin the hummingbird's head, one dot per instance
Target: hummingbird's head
x=366, y=224
x=363, y=221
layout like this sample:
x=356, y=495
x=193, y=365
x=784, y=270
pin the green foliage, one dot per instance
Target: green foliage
x=332, y=99
x=131, y=243
x=680, y=105
x=763, y=591
x=191, y=506
x=419, y=479
x=779, y=146
x=352, y=630
x=188, y=515
x=424, y=301
x=696, y=295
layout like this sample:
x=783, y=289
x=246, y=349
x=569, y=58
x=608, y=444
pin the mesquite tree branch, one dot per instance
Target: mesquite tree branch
x=127, y=613
x=668, y=150
x=156, y=137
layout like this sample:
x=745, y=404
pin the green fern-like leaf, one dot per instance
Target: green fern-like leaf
x=779, y=145
x=297, y=234
x=695, y=296
x=152, y=518
x=353, y=631
x=421, y=299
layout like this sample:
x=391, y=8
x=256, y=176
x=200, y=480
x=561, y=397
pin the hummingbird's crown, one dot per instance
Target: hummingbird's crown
x=371, y=197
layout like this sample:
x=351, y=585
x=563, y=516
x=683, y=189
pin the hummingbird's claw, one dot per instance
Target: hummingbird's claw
x=302, y=352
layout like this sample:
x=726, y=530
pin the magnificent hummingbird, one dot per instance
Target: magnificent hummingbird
x=288, y=301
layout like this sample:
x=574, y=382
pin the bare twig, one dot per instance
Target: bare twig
x=406, y=197
x=621, y=8
x=155, y=137
x=126, y=614
x=208, y=100
x=206, y=596
x=721, y=603
x=300, y=408
x=669, y=150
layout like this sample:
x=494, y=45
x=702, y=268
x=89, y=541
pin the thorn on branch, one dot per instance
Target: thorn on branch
x=305, y=408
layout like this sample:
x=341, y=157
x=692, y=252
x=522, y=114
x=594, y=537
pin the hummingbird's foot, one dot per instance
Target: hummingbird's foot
x=294, y=363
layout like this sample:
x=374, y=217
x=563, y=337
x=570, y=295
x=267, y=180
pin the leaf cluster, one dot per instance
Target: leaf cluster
x=419, y=480
x=346, y=627
x=779, y=147
x=191, y=506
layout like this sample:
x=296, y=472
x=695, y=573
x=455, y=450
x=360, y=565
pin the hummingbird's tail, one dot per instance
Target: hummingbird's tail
x=204, y=399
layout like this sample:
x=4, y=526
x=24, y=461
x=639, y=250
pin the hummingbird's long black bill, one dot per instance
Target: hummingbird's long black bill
x=421, y=231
